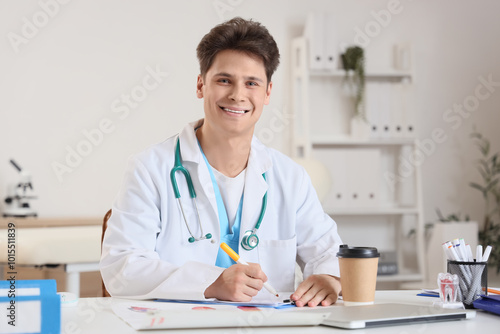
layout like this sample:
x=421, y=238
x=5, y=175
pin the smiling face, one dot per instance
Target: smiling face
x=234, y=92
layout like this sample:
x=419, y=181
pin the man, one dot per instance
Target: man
x=156, y=246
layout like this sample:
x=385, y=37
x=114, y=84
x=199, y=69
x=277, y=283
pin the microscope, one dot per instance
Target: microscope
x=19, y=195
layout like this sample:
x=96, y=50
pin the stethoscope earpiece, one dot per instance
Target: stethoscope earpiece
x=193, y=239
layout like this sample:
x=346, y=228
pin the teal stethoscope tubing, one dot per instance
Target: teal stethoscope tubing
x=178, y=167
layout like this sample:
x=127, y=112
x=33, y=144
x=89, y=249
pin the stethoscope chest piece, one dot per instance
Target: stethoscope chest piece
x=250, y=240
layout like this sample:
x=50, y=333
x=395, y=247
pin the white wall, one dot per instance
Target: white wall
x=67, y=74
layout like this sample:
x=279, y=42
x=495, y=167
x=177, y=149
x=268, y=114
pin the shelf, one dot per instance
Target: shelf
x=317, y=92
x=318, y=141
x=390, y=74
x=372, y=211
x=403, y=277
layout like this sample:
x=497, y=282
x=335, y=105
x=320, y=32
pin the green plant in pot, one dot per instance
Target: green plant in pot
x=489, y=168
x=353, y=61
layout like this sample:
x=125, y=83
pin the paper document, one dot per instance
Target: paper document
x=154, y=315
x=266, y=300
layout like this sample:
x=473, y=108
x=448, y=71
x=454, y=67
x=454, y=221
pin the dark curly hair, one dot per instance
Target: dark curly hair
x=241, y=35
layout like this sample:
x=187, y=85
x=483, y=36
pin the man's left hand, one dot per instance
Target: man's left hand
x=317, y=290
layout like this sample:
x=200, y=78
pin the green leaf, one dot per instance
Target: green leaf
x=486, y=167
x=477, y=186
x=440, y=215
x=487, y=148
x=491, y=185
x=483, y=173
x=494, y=159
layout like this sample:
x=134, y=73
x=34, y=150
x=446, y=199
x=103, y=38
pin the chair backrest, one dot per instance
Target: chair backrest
x=105, y=292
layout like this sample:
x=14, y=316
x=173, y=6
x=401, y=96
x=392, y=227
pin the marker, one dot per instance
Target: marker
x=479, y=253
x=237, y=259
x=486, y=254
x=470, y=257
x=447, y=251
x=463, y=249
x=454, y=255
x=458, y=249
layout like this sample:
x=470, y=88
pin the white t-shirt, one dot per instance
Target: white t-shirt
x=231, y=190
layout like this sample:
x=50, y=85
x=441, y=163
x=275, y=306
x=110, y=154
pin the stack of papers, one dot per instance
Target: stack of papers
x=429, y=293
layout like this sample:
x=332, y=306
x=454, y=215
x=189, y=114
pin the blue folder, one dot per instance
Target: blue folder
x=50, y=303
x=488, y=303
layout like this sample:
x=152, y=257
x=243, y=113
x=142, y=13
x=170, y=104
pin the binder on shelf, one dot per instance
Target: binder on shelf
x=332, y=53
x=384, y=111
x=397, y=111
x=355, y=178
x=336, y=161
x=408, y=112
x=30, y=306
x=372, y=109
x=363, y=178
x=315, y=34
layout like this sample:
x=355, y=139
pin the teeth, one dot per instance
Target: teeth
x=234, y=111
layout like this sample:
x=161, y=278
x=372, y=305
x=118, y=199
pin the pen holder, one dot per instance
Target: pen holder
x=473, y=280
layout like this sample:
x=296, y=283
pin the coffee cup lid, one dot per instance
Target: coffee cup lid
x=357, y=252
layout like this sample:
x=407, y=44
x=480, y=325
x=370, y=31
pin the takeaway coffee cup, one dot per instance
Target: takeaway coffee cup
x=358, y=274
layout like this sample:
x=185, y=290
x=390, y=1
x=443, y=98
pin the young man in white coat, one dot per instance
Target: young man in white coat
x=156, y=247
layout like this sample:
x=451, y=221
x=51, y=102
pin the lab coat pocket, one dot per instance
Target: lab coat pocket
x=277, y=260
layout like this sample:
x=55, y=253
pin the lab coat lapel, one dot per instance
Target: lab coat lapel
x=259, y=162
x=193, y=161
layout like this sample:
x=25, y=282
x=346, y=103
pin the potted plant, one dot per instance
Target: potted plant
x=489, y=168
x=353, y=62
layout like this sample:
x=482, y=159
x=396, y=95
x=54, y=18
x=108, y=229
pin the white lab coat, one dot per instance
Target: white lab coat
x=146, y=253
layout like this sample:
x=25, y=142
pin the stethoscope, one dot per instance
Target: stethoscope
x=250, y=239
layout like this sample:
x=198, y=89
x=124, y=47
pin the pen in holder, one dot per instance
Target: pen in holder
x=473, y=277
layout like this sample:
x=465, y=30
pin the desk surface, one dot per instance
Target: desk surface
x=94, y=315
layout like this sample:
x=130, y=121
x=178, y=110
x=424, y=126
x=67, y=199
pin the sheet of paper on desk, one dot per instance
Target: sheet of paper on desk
x=266, y=300
x=154, y=315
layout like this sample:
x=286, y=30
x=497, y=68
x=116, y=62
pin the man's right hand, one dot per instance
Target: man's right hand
x=238, y=283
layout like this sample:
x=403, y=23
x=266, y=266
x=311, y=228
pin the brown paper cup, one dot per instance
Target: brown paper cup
x=358, y=274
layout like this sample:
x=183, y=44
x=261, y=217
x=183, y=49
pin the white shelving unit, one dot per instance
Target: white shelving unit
x=390, y=212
